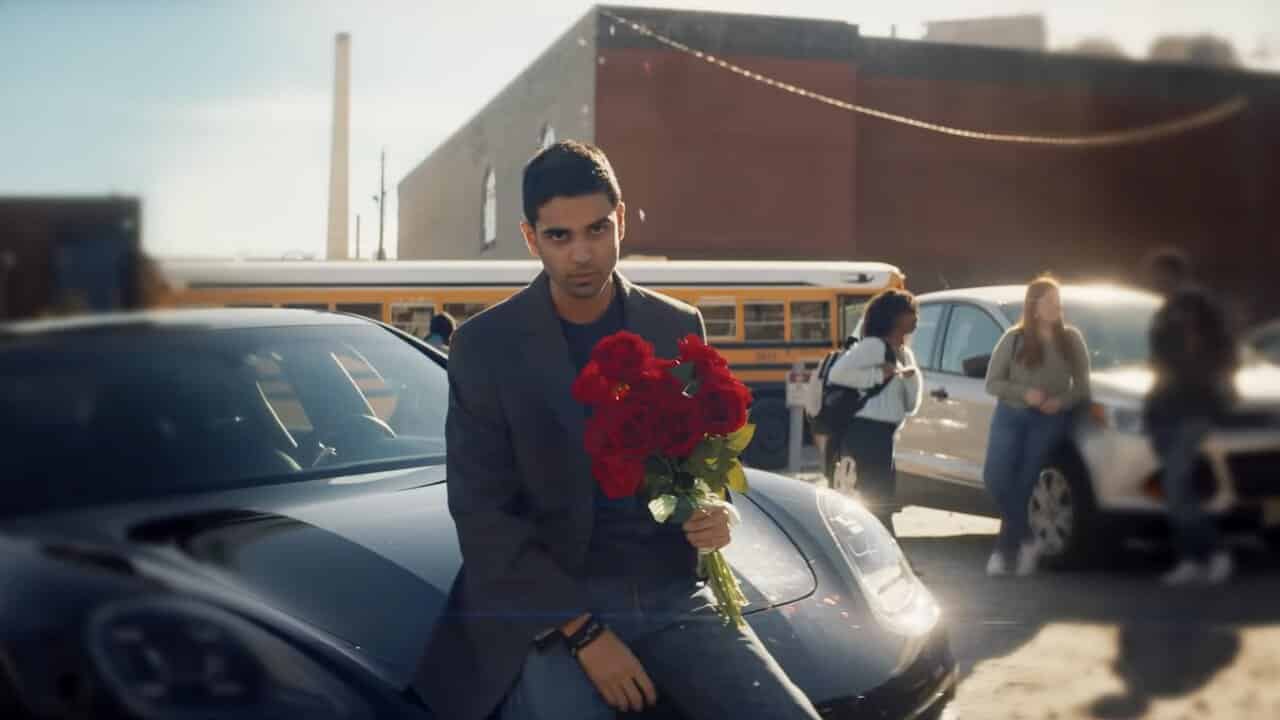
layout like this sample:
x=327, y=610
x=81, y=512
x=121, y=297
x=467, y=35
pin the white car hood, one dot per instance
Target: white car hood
x=1258, y=385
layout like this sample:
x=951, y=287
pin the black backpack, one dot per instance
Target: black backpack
x=840, y=403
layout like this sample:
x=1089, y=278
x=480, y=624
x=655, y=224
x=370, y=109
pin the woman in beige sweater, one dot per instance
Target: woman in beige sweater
x=1039, y=372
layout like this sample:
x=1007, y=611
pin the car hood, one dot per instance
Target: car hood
x=366, y=560
x=1258, y=384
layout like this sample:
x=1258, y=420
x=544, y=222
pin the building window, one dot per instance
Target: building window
x=490, y=208
x=721, y=319
x=548, y=137
x=811, y=322
x=763, y=322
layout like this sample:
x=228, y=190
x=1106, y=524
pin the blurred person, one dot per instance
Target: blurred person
x=883, y=369
x=1194, y=355
x=441, y=330
x=1039, y=373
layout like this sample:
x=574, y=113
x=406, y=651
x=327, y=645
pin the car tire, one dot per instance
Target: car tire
x=768, y=450
x=1064, y=516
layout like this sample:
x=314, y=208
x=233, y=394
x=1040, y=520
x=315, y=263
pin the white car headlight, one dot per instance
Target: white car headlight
x=168, y=657
x=897, y=597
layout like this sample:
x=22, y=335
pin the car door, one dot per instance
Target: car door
x=957, y=391
x=918, y=448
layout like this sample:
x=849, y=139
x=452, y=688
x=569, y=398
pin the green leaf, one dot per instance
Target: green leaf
x=663, y=507
x=684, y=511
x=741, y=438
x=737, y=477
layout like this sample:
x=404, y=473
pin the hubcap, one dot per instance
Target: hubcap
x=1051, y=511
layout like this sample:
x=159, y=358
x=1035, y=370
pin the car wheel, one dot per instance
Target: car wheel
x=768, y=450
x=1063, y=516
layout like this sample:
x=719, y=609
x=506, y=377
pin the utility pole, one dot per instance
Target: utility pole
x=381, y=200
x=357, y=236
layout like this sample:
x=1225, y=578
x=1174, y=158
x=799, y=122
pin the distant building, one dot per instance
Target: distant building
x=1195, y=49
x=717, y=165
x=1015, y=32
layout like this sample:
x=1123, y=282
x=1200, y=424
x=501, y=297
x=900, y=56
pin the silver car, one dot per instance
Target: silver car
x=1104, y=482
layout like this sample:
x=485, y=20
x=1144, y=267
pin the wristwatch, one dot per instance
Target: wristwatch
x=585, y=635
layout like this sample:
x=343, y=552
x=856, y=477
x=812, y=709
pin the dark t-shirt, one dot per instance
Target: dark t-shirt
x=625, y=541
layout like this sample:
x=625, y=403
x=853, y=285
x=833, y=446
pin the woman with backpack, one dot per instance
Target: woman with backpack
x=881, y=368
x=1039, y=372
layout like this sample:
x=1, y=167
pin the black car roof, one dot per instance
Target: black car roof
x=176, y=320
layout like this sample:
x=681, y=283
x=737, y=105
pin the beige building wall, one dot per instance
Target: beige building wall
x=442, y=201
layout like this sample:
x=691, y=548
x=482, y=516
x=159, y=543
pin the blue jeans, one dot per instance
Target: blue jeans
x=700, y=666
x=1019, y=441
x=1177, y=443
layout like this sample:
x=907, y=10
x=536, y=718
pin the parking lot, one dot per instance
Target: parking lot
x=1110, y=643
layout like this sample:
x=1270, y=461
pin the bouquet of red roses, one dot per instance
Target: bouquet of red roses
x=672, y=429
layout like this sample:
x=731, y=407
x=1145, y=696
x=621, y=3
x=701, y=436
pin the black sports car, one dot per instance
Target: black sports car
x=241, y=513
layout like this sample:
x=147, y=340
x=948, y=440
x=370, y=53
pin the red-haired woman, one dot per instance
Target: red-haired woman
x=1039, y=372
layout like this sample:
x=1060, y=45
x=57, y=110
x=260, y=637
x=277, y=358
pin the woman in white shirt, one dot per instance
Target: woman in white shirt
x=883, y=369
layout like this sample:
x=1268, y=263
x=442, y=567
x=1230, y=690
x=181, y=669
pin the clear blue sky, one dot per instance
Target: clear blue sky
x=218, y=113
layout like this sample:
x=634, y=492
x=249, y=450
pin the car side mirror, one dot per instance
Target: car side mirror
x=976, y=366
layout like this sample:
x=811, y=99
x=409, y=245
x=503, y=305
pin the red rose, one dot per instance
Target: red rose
x=627, y=427
x=619, y=476
x=704, y=357
x=623, y=357
x=591, y=387
x=683, y=428
x=723, y=404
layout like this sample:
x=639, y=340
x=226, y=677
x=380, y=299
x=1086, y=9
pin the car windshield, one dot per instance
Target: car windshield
x=1114, y=329
x=131, y=413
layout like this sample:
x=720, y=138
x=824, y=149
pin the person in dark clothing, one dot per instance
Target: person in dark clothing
x=441, y=330
x=570, y=604
x=1194, y=356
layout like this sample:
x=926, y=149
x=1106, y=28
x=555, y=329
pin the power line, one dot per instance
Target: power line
x=1216, y=114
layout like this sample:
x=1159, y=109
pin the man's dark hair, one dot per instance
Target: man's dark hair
x=883, y=311
x=567, y=169
x=1166, y=269
x=443, y=324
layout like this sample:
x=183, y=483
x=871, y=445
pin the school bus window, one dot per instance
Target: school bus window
x=307, y=306
x=810, y=321
x=372, y=311
x=851, y=309
x=462, y=312
x=763, y=322
x=721, y=319
x=413, y=318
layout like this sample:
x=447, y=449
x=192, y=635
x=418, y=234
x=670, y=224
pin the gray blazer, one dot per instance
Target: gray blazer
x=520, y=490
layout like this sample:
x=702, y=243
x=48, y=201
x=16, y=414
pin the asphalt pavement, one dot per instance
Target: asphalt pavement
x=1110, y=643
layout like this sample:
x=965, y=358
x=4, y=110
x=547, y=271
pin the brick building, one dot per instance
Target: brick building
x=714, y=164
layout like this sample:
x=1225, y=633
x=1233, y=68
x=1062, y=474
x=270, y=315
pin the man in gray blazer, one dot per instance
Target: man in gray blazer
x=571, y=605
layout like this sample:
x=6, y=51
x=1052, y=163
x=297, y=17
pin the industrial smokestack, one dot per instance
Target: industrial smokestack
x=336, y=248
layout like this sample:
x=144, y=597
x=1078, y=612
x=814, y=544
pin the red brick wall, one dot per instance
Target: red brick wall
x=723, y=166
x=963, y=212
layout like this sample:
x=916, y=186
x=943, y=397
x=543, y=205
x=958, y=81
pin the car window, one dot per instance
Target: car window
x=970, y=332
x=128, y=415
x=926, y=334
x=1115, y=330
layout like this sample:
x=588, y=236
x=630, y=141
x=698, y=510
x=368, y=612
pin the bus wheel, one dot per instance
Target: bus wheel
x=768, y=450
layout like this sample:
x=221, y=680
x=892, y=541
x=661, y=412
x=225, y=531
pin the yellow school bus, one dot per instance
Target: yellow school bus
x=762, y=315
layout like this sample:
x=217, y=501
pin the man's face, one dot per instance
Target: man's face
x=578, y=240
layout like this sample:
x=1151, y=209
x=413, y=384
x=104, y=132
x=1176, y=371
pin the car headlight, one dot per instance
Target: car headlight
x=897, y=597
x=1122, y=419
x=168, y=657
